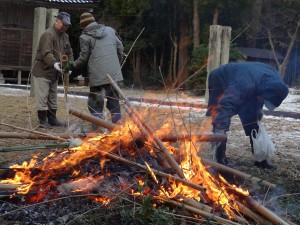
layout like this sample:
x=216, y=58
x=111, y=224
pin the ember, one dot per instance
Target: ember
x=133, y=160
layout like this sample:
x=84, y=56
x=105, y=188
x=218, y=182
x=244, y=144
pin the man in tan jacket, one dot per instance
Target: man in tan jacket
x=53, y=44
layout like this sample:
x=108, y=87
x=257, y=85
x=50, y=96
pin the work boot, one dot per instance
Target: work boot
x=219, y=149
x=264, y=165
x=42, y=115
x=52, y=120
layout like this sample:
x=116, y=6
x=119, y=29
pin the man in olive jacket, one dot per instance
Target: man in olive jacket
x=46, y=70
x=101, y=51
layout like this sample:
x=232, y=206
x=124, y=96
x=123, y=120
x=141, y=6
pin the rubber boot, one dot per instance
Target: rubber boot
x=95, y=127
x=264, y=165
x=52, y=120
x=42, y=115
x=219, y=153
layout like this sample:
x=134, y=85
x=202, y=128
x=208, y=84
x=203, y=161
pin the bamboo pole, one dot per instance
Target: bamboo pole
x=64, y=63
x=197, y=204
x=100, y=122
x=35, y=132
x=265, y=212
x=32, y=147
x=249, y=213
x=191, y=209
x=4, y=187
x=193, y=137
x=38, y=136
x=156, y=172
x=237, y=173
x=165, y=151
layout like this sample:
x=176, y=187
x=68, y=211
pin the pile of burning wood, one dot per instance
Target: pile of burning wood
x=177, y=176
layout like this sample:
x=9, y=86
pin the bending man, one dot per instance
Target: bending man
x=242, y=88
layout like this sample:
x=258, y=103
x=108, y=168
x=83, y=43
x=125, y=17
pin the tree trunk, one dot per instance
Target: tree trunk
x=256, y=13
x=282, y=68
x=216, y=16
x=137, y=68
x=182, y=51
x=196, y=25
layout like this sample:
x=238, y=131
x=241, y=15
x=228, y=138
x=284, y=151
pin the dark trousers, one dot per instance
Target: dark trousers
x=96, y=101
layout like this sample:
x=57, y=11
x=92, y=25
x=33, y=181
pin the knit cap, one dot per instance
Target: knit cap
x=85, y=19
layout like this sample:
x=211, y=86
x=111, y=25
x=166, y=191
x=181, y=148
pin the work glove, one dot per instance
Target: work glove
x=57, y=66
x=260, y=114
x=69, y=67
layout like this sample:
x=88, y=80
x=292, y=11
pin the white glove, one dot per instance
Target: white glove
x=57, y=66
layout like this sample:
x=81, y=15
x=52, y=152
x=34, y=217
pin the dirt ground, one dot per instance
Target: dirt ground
x=19, y=111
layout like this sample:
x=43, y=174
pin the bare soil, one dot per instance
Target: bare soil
x=19, y=111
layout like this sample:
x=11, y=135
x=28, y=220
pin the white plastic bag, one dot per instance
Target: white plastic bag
x=263, y=146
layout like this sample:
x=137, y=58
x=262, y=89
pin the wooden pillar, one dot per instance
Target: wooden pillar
x=39, y=28
x=51, y=13
x=218, y=52
x=19, y=77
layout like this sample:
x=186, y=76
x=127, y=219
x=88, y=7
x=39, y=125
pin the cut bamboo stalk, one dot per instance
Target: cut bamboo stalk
x=197, y=204
x=265, y=212
x=249, y=213
x=191, y=209
x=33, y=147
x=165, y=151
x=100, y=122
x=37, y=136
x=156, y=172
x=4, y=187
x=35, y=132
x=238, y=173
x=193, y=137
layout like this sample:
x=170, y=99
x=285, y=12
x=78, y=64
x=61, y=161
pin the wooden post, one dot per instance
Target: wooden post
x=218, y=50
x=38, y=29
x=19, y=76
x=51, y=13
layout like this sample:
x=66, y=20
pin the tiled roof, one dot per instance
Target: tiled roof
x=70, y=1
x=259, y=53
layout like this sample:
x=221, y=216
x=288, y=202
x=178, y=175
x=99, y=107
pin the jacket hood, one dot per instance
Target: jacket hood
x=273, y=90
x=95, y=30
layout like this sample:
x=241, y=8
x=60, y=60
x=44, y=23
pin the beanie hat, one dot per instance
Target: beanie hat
x=85, y=19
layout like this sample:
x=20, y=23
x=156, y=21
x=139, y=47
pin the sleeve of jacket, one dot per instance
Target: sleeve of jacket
x=47, y=48
x=120, y=48
x=227, y=107
x=69, y=50
x=84, y=55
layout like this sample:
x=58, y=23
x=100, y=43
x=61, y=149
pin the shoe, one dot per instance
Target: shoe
x=264, y=165
x=42, y=115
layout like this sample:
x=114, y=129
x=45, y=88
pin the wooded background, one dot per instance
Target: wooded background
x=172, y=50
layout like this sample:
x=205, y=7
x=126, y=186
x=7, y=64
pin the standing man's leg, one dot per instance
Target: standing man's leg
x=113, y=104
x=52, y=105
x=96, y=102
x=41, y=90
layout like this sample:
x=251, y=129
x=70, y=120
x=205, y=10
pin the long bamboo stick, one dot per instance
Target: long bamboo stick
x=85, y=116
x=38, y=136
x=265, y=212
x=35, y=132
x=207, y=215
x=249, y=213
x=165, y=151
x=32, y=147
x=238, y=173
x=193, y=137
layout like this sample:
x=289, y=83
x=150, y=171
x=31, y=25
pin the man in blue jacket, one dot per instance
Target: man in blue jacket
x=242, y=88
